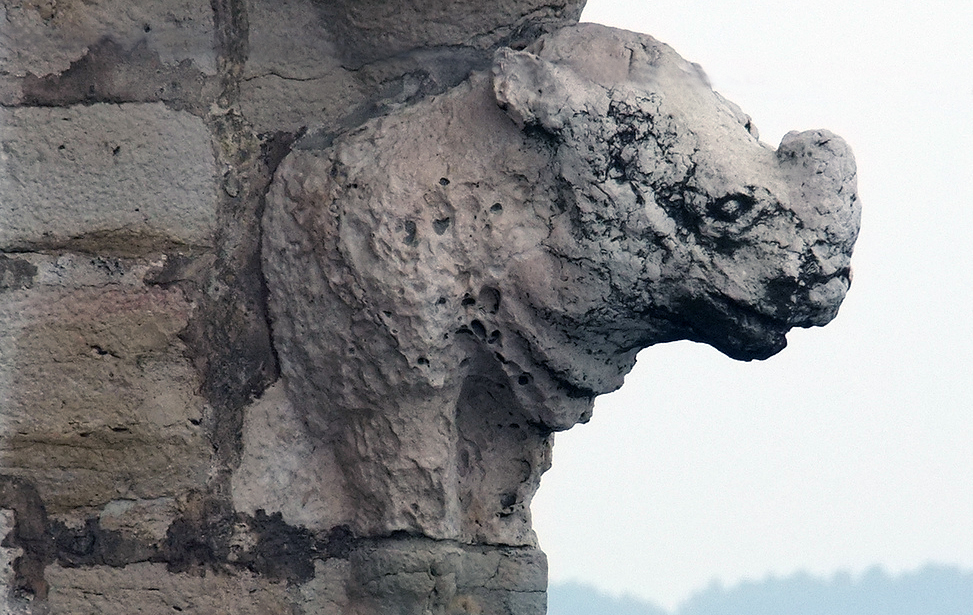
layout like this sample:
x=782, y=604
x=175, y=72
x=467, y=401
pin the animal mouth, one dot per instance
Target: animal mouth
x=735, y=329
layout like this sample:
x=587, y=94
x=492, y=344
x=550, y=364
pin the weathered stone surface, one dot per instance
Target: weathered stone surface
x=454, y=281
x=99, y=401
x=328, y=66
x=39, y=37
x=153, y=590
x=105, y=178
x=8, y=554
x=284, y=469
x=373, y=30
x=457, y=266
x=419, y=576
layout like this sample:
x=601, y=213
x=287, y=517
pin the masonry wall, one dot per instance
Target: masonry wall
x=137, y=369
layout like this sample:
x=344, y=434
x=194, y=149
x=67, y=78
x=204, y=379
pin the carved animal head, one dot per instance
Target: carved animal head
x=697, y=229
x=453, y=281
x=589, y=198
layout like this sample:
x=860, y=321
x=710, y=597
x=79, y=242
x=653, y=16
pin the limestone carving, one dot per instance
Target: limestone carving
x=455, y=281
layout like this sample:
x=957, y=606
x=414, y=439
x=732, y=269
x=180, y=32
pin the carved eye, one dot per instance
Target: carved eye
x=730, y=207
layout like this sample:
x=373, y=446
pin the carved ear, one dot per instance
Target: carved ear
x=533, y=91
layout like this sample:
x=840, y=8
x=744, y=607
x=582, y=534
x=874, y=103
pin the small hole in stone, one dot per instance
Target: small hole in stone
x=489, y=298
x=497, y=208
x=148, y=28
x=410, y=233
x=440, y=225
x=422, y=361
x=443, y=181
x=478, y=329
x=441, y=301
x=468, y=300
x=525, y=379
x=494, y=337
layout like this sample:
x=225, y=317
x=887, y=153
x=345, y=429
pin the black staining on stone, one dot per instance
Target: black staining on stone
x=198, y=541
x=16, y=273
x=783, y=292
x=282, y=552
x=92, y=545
x=338, y=543
x=411, y=238
x=736, y=330
x=110, y=73
x=30, y=534
x=211, y=538
x=440, y=225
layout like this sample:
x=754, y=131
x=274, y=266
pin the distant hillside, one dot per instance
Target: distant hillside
x=933, y=590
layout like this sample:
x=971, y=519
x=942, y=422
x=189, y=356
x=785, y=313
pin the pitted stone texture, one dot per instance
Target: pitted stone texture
x=452, y=282
x=42, y=37
x=139, y=173
x=98, y=400
x=151, y=589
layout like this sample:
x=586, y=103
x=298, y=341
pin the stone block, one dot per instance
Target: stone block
x=105, y=178
x=97, y=399
x=39, y=37
x=150, y=589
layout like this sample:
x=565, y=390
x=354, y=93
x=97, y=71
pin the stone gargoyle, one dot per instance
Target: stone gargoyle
x=453, y=282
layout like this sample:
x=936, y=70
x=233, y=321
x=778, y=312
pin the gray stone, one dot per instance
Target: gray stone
x=39, y=37
x=153, y=590
x=111, y=178
x=7, y=556
x=99, y=401
x=419, y=576
x=284, y=469
x=454, y=281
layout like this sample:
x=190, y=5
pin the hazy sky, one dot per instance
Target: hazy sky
x=854, y=446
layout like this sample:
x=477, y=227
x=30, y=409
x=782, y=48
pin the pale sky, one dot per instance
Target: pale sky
x=854, y=446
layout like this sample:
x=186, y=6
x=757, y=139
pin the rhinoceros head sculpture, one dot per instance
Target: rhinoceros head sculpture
x=452, y=282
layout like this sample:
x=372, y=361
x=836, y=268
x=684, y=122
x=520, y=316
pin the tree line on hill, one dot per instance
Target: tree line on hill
x=932, y=590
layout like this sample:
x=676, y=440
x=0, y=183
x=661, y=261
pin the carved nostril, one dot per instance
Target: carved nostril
x=729, y=208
